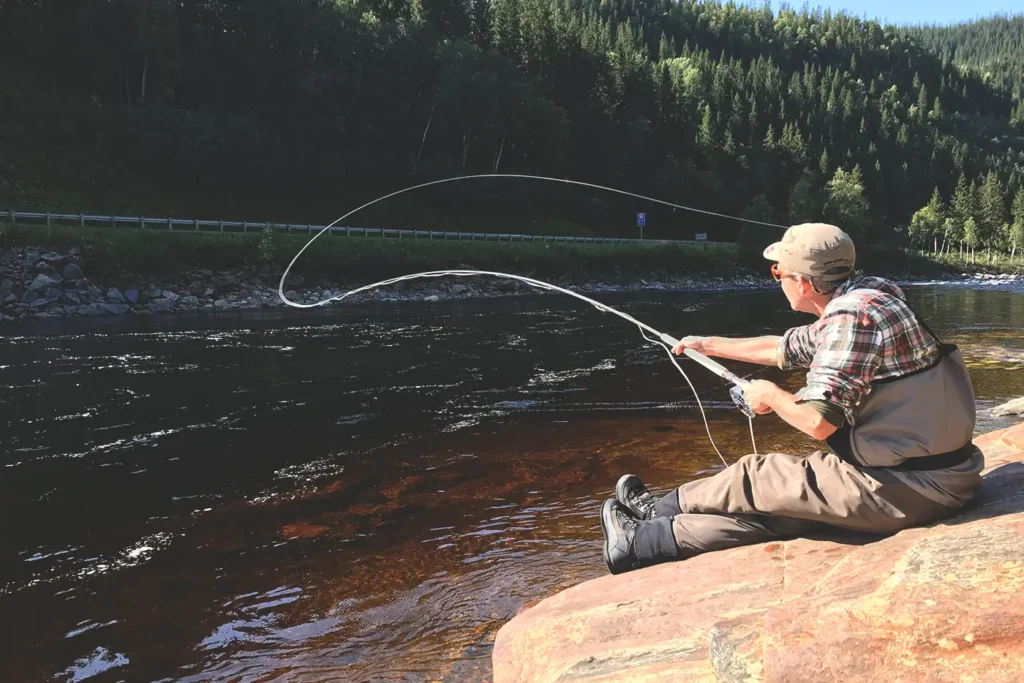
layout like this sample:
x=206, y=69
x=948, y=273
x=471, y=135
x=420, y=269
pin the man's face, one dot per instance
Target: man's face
x=795, y=288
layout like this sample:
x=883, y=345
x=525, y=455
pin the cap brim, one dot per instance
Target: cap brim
x=773, y=252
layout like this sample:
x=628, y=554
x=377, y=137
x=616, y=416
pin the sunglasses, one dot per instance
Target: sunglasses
x=777, y=274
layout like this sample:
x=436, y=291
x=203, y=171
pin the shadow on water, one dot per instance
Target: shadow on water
x=365, y=493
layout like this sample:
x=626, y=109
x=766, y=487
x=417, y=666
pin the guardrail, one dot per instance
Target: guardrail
x=196, y=225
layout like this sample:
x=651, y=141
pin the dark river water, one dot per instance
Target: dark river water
x=359, y=494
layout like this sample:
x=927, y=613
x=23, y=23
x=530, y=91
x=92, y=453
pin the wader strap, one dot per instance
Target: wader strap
x=941, y=461
x=925, y=463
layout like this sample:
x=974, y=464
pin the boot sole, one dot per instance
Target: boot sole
x=606, y=523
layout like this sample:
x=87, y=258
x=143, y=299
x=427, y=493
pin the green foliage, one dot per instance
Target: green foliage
x=846, y=206
x=971, y=237
x=714, y=104
x=992, y=47
x=925, y=225
x=929, y=223
x=805, y=201
x=965, y=204
x=1016, y=236
x=1018, y=207
x=118, y=251
x=270, y=244
x=753, y=239
x=991, y=209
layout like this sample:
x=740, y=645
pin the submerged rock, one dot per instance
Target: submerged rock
x=937, y=603
x=1014, y=407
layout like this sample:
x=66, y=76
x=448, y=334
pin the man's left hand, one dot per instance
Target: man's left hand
x=759, y=394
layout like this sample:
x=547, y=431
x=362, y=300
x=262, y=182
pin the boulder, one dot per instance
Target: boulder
x=114, y=295
x=92, y=309
x=160, y=305
x=221, y=304
x=131, y=295
x=432, y=298
x=42, y=282
x=6, y=288
x=1014, y=407
x=936, y=603
x=73, y=271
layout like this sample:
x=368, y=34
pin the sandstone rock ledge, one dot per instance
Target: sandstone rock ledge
x=941, y=603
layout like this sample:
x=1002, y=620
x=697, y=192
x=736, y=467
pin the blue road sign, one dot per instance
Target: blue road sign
x=641, y=220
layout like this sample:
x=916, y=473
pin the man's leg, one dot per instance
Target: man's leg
x=816, y=488
x=696, y=533
x=773, y=496
x=631, y=543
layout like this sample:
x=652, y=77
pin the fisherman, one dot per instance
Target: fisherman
x=894, y=404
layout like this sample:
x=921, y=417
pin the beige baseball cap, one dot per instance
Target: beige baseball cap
x=816, y=249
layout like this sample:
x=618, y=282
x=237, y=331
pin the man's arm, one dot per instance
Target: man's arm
x=760, y=350
x=765, y=396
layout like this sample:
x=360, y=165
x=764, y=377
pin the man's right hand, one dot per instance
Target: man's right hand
x=695, y=343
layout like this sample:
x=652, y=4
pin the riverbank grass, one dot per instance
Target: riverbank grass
x=127, y=251
x=111, y=251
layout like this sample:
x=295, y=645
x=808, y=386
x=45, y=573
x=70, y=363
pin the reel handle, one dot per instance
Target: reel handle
x=741, y=401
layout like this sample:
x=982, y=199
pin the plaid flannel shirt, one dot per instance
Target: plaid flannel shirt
x=867, y=332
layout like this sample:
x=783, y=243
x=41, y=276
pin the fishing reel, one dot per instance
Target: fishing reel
x=736, y=392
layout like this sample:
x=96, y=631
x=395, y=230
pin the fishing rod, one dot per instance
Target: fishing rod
x=666, y=341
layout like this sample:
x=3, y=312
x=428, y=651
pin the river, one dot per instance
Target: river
x=365, y=493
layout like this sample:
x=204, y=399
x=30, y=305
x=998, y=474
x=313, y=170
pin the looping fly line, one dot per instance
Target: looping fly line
x=661, y=339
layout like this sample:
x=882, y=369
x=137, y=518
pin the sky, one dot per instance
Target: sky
x=913, y=11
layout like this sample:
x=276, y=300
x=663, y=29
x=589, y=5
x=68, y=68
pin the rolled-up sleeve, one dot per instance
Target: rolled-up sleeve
x=848, y=356
x=796, y=348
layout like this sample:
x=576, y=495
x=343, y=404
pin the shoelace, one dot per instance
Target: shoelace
x=642, y=502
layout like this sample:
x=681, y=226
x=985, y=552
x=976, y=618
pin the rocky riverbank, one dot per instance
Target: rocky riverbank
x=39, y=283
x=935, y=603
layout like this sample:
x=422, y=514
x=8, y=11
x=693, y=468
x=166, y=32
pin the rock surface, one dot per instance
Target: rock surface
x=939, y=603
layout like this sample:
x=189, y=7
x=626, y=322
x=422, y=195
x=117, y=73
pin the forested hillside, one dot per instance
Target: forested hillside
x=992, y=47
x=780, y=117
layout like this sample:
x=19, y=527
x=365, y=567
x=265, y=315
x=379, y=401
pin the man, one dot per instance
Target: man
x=894, y=404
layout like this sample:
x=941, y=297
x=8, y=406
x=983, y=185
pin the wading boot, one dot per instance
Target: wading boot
x=632, y=493
x=619, y=526
x=631, y=543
